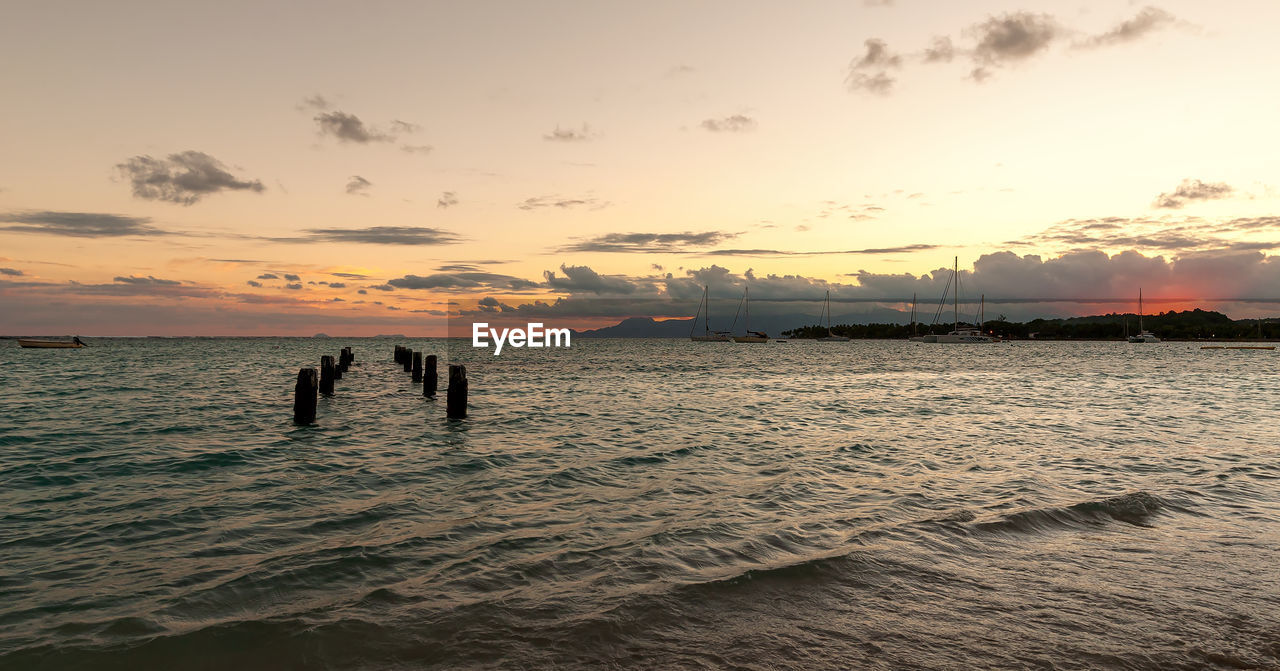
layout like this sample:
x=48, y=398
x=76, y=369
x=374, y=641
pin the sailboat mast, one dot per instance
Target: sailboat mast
x=706, y=298
x=956, y=298
x=913, y=314
x=746, y=296
x=829, y=332
x=982, y=312
x=1141, y=328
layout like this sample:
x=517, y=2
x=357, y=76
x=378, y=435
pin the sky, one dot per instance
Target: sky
x=291, y=168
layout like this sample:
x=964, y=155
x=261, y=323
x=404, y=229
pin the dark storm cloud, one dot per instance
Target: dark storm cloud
x=648, y=242
x=736, y=123
x=447, y=200
x=183, y=178
x=1148, y=20
x=11, y=272
x=1193, y=189
x=357, y=185
x=78, y=224
x=349, y=128
x=377, y=235
x=570, y=134
x=462, y=280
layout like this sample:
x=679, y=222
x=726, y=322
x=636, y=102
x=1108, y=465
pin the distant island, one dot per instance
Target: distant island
x=1186, y=325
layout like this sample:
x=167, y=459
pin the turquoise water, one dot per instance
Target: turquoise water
x=647, y=504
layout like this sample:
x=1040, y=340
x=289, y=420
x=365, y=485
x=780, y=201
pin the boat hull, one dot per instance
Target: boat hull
x=750, y=339
x=711, y=338
x=1145, y=337
x=963, y=339
x=48, y=344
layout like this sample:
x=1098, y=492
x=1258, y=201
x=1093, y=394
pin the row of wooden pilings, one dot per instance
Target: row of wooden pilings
x=310, y=385
x=424, y=373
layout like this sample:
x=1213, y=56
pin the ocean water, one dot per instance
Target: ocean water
x=642, y=504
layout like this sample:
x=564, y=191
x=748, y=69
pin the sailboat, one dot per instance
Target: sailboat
x=751, y=336
x=1143, y=334
x=707, y=334
x=830, y=337
x=959, y=335
x=915, y=337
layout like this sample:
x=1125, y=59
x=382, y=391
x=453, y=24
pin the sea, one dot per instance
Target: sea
x=647, y=504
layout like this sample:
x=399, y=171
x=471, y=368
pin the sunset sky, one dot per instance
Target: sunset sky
x=287, y=168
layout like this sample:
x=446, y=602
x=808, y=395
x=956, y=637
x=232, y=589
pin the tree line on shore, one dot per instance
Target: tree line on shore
x=1194, y=324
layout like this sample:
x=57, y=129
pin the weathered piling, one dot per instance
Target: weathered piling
x=337, y=368
x=430, y=379
x=408, y=360
x=344, y=359
x=399, y=355
x=417, y=367
x=456, y=399
x=304, y=397
x=326, y=375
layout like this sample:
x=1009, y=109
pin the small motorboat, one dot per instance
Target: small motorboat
x=74, y=343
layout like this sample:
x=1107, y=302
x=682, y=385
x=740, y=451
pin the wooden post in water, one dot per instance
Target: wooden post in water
x=399, y=356
x=326, y=375
x=456, y=398
x=337, y=369
x=408, y=360
x=430, y=379
x=344, y=359
x=417, y=367
x=304, y=397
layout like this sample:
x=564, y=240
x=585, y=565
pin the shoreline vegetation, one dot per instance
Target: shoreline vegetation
x=1188, y=325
